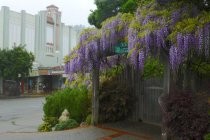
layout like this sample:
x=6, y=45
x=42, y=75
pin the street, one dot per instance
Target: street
x=21, y=114
x=20, y=117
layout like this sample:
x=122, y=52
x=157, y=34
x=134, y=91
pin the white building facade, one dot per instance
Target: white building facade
x=42, y=34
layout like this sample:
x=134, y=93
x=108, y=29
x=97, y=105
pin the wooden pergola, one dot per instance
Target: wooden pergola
x=95, y=82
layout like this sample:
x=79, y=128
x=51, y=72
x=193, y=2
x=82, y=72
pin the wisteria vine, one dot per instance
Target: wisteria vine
x=95, y=46
x=181, y=30
x=86, y=56
x=114, y=30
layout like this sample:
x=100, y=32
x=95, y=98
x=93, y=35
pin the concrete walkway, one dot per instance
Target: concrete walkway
x=139, y=130
x=87, y=133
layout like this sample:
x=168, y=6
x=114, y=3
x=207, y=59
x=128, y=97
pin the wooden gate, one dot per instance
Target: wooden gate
x=151, y=109
x=146, y=93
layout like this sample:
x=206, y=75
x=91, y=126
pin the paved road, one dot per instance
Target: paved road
x=21, y=114
x=19, y=120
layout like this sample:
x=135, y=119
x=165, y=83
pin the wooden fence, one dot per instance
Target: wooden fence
x=146, y=93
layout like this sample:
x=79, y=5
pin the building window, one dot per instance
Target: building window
x=49, y=48
x=50, y=33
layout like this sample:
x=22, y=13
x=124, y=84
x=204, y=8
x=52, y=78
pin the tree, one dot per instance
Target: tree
x=109, y=8
x=129, y=6
x=15, y=62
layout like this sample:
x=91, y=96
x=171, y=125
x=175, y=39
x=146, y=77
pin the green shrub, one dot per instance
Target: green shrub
x=45, y=127
x=75, y=100
x=51, y=120
x=69, y=124
x=88, y=119
x=152, y=68
x=115, y=101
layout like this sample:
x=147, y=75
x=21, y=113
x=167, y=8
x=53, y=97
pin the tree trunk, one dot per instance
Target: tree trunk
x=95, y=96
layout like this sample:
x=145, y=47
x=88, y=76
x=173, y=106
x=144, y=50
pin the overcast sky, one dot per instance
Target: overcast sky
x=74, y=12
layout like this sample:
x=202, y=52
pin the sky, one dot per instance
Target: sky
x=74, y=12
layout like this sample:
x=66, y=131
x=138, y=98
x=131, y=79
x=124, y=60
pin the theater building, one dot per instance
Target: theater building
x=46, y=37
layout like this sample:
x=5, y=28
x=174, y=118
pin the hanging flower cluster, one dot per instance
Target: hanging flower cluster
x=178, y=29
x=147, y=34
x=114, y=30
x=95, y=45
x=190, y=39
x=87, y=55
x=112, y=61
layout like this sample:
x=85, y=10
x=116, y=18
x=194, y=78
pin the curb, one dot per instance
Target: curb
x=21, y=96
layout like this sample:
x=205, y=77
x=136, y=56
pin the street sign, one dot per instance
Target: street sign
x=121, y=48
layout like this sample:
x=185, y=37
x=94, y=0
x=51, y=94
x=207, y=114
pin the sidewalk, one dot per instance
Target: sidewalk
x=90, y=133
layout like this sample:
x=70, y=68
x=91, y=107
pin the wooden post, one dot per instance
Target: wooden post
x=166, y=89
x=167, y=74
x=1, y=85
x=166, y=80
x=95, y=96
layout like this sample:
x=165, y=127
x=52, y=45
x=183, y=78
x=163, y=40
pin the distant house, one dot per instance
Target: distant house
x=45, y=36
